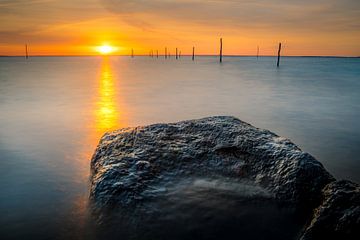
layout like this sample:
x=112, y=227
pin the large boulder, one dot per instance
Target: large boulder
x=134, y=167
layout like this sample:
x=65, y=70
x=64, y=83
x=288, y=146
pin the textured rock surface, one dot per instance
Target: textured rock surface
x=132, y=165
x=338, y=217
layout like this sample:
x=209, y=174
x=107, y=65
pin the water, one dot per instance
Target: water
x=53, y=110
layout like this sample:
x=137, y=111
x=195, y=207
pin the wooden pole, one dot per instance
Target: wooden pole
x=157, y=53
x=179, y=54
x=166, y=53
x=257, y=53
x=193, y=54
x=26, y=51
x=278, y=58
x=221, y=43
x=176, y=54
x=132, y=52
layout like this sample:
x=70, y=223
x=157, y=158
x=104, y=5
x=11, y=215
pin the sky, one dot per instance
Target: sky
x=76, y=27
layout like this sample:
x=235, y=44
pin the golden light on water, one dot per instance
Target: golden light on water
x=107, y=112
x=106, y=109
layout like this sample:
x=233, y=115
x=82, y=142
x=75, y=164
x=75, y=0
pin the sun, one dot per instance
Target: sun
x=105, y=49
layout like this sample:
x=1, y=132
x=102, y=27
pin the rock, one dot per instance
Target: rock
x=130, y=160
x=133, y=166
x=338, y=217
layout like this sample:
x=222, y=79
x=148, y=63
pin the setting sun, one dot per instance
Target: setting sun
x=105, y=49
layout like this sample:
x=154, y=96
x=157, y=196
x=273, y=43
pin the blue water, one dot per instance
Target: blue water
x=53, y=110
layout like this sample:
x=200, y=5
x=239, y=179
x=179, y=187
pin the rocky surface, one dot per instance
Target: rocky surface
x=338, y=216
x=134, y=165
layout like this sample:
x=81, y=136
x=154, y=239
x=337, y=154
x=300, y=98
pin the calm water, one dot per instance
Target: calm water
x=54, y=109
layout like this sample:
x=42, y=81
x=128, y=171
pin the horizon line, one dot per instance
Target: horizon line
x=187, y=55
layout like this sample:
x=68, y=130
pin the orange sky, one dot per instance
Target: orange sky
x=74, y=27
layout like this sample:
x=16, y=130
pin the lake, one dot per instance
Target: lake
x=53, y=110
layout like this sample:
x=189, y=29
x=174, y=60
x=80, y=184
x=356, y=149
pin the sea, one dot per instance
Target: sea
x=53, y=111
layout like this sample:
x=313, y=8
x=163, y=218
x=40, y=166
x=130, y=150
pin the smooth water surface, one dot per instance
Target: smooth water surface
x=53, y=111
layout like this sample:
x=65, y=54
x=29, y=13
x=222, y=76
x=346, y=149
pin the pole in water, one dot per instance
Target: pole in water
x=179, y=54
x=26, y=51
x=257, y=53
x=176, y=54
x=157, y=53
x=165, y=53
x=193, y=54
x=278, y=58
x=221, y=49
x=132, y=52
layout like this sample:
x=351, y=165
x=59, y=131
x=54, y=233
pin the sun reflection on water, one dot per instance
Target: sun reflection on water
x=103, y=114
x=107, y=114
x=106, y=107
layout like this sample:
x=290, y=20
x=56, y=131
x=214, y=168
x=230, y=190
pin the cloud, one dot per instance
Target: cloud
x=32, y=20
x=158, y=22
x=11, y=3
x=22, y=36
x=330, y=15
